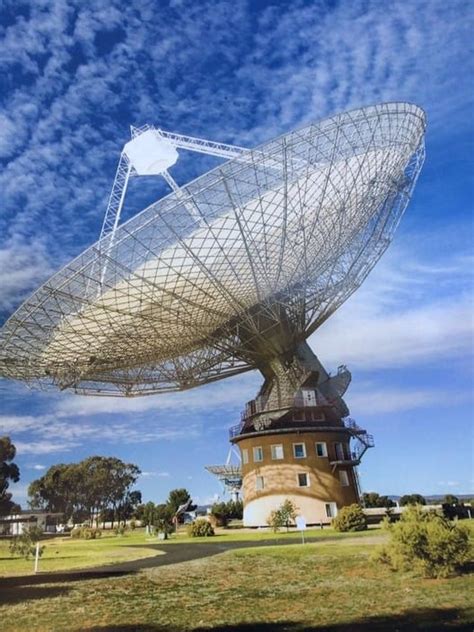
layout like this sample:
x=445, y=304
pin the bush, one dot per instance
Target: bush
x=283, y=516
x=120, y=530
x=133, y=524
x=24, y=545
x=86, y=533
x=163, y=525
x=350, y=518
x=412, y=499
x=223, y=512
x=217, y=520
x=425, y=543
x=200, y=528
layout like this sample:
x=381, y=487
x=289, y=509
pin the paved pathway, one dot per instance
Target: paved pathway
x=172, y=554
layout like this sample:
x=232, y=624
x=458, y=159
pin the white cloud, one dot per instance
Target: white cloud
x=155, y=474
x=20, y=423
x=380, y=401
x=47, y=434
x=400, y=317
x=43, y=446
x=228, y=394
x=37, y=467
x=23, y=265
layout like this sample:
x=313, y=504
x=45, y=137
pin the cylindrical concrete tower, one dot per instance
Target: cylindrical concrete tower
x=297, y=445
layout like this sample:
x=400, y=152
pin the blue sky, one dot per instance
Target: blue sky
x=76, y=74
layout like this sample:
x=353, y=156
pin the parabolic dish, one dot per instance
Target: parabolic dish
x=264, y=247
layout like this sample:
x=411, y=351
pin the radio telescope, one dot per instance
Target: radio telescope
x=228, y=273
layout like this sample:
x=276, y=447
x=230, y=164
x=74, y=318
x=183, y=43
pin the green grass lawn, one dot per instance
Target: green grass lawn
x=332, y=586
x=66, y=553
x=256, y=535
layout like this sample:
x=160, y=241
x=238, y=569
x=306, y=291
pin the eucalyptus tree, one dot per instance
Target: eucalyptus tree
x=9, y=473
x=88, y=489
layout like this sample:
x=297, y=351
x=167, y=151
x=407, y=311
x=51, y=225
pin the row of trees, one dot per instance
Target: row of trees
x=98, y=488
x=161, y=515
x=372, y=499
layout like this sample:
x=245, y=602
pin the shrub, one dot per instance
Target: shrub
x=86, y=533
x=120, y=530
x=163, y=525
x=425, y=543
x=200, y=528
x=24, y=545
x=412, y=499
x=133, y=524
x=283, y=516
x=350, y=518
x=223, y=512
x=217, y=520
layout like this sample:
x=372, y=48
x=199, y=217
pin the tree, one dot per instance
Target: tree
x=235, y=509
x=90, y=489
x=60, y=490
x=350, y=518
x=176, y=498
x=24, y=545
x=372, y=499
x=9, y=473
x=425, y=543
x=146, y=513
x=412, y=499
x=130, y=504
x=449, y=499
x=224, y=511
x=283, y=516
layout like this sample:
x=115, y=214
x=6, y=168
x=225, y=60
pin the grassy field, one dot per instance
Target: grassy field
x=66, y=553
x=325, y=585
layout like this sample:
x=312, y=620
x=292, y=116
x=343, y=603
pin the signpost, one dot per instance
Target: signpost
x=37, y=554
x=301, y=526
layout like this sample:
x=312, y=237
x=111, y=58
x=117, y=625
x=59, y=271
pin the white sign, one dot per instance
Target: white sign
x=300, y=523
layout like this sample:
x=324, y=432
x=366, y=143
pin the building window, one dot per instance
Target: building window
x=277, y=452
x=258, y=454
x=321, y=449
x=303, y=479
x=259, y=483
x=316, y=415
x=299, y=450
x=298, y=415
x=339, y=450
x=331, y=510
x=343, y=478
x=245, y=456
x=309, y=397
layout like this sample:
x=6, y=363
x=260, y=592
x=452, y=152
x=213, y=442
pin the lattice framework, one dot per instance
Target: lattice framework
x=242, y=263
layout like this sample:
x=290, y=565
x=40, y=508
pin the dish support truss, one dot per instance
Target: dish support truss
x=227, y=272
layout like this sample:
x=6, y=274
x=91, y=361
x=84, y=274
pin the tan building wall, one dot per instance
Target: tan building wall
x=280, y=476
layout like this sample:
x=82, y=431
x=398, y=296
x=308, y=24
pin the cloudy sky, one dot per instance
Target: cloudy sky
x=77, y=73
